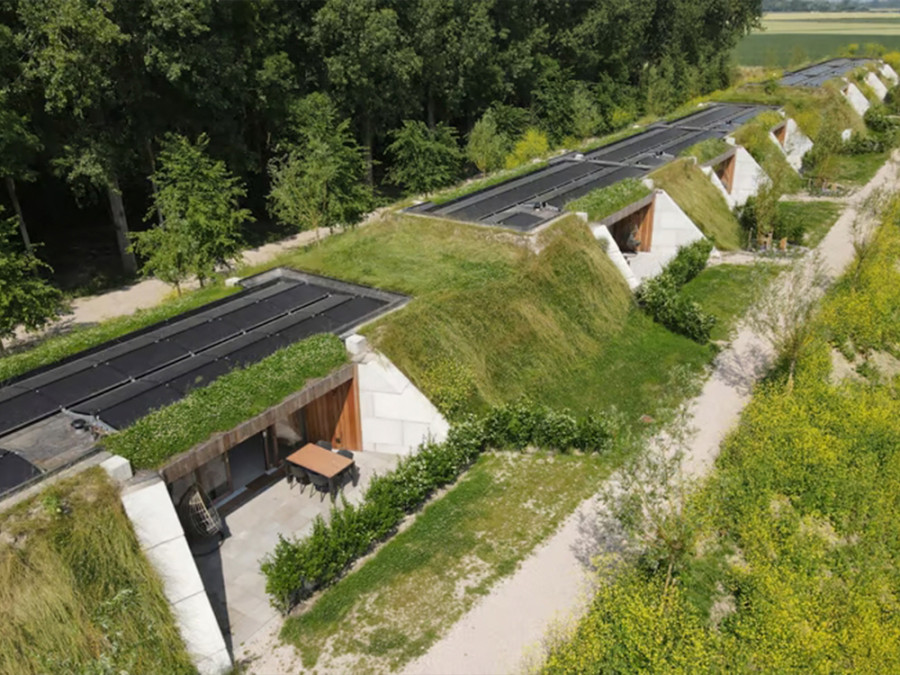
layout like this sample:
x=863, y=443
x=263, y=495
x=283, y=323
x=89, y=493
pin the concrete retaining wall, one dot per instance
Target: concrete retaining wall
x=672, y=229
x=796, y=143
x=856, y=98
x=746, y=182
x=601, y=233
x=396, y=417
x=162, y=539
x=877, y=85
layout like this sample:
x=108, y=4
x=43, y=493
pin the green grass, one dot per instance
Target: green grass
x=410, y=593
x=794, y=537
x=56, y=347
x=858, y=169
x=76, y=593
x=226, y=402
x=790, y=50
x=726, y=291
x=707, y=150
x=699, y=199
x=815, y=218
x=607, y=200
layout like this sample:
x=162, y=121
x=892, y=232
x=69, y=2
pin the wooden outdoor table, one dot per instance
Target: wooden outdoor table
x=322, y=461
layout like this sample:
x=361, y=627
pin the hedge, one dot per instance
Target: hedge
x=296, y=568
x=659, y=296
x=226, y=402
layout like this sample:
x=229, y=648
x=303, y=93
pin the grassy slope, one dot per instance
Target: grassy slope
x=700, y=200
x=797, y=526
x=403, y=599
x=76, y=593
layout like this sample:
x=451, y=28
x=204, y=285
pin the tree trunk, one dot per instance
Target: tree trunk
x=369, y=142
x=120, y=222
x=11, y=188
x=152, y=159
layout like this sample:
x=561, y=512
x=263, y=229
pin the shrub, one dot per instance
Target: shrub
x=660, y=299
x=877, y=119
x=295, y=568
x=861, y=144
x=533, y=144
x=689, y=262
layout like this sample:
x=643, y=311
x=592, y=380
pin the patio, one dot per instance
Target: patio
x=231, y=575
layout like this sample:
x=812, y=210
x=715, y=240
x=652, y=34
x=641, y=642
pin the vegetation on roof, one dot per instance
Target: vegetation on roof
x=789, y=561
x=701, y=201
x=56, y=347
x=226, y=402
x=607, y=200
x=707, y=150
x=76, y=593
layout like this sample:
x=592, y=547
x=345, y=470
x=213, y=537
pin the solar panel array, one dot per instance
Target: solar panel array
x=526, y=202
x=820, y=73
x=121, y=381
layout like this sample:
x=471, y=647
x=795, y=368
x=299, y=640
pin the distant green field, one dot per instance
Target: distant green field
x=792, y=38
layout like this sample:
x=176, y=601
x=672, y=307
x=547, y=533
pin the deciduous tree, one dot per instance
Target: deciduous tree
x=424, y=159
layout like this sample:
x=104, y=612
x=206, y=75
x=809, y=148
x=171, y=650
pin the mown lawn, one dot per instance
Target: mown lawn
x=726, y=291
x=814, y=218
x=77, y=594
x=411, y=592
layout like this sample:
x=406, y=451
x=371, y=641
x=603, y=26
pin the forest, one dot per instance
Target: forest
x=118, y=115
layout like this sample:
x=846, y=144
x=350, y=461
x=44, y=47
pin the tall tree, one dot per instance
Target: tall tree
x=18, y=145
x=486, y=148
x=424, y=159
x=370, y=65
x=317, y=180
x=199, y=201
x=26, y=299
x=73, y=48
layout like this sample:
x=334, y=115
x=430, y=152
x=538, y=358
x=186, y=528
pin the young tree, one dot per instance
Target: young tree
x=424, y=159
x=198, y=200
x=317, y=181
x=73, y=48
x=487, y=146
x=26, y=299
x=587, y=119
x=17, y=148
x=532, y=144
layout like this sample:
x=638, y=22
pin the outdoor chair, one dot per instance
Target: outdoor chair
x=345, y=453
x=297, y=473
x=321, y=483
x=354, y=470
x=324, y=444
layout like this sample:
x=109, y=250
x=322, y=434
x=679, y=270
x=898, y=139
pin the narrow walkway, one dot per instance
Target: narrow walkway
x=505, y=630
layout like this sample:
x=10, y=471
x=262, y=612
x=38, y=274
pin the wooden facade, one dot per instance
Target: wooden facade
x=780, y=133
x=337, y=418
x=640, y=222
x=725, y=172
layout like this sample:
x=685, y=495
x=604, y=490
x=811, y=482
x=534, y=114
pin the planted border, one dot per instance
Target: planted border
x=297, y=568
x=226, y=402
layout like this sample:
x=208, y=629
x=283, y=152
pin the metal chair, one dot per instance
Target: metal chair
x=324, y=444
x=297, y=473
x=354, y=469
x=345, y=453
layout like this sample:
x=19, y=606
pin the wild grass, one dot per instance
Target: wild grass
x=858, y=169
x=706, y=150
x=699, y=199
x=792, y=557
x=726, y=292
x=76, y=593
x=55, y=347
x=412, y=591
x=226, y=402
x=607, y=200
x=790, y=50
x=813, y=218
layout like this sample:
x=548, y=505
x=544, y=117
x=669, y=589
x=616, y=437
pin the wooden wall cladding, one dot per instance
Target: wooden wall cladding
x=335, y=417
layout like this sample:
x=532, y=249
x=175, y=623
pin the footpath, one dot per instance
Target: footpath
x=504, y=632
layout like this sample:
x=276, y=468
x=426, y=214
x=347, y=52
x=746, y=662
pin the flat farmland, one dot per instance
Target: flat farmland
x=792, y=38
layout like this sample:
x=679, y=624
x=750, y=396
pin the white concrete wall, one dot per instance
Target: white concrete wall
x=672, y=229
x=856, y=98
x=889, y=73
x=601, y=233
x=877, y=85
x=395, y=416
x=749, y=176
x=162, y=539
x=796, y=143
x=719, y=185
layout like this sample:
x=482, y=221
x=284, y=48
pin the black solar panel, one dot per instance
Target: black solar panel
x=123, y=380
x=15, y=470
x=569, y=177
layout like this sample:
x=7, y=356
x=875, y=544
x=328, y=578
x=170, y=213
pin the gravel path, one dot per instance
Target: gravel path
x=503, y=633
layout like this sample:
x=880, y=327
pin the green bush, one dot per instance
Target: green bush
x=533, y=144
x=295, y=568
x=877, y=119
x=659, y=296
